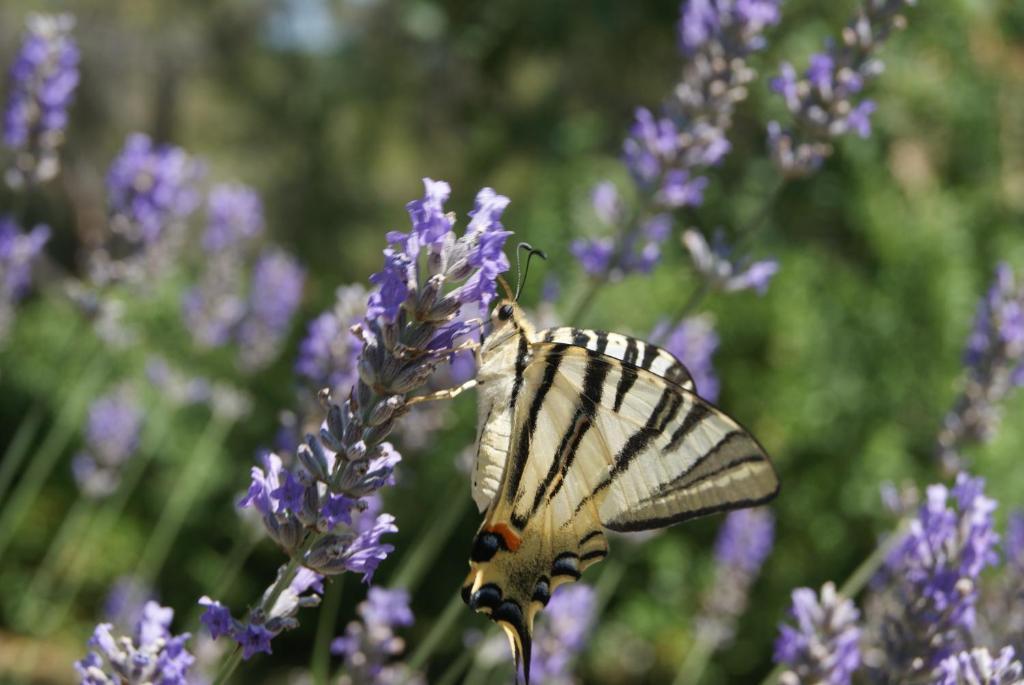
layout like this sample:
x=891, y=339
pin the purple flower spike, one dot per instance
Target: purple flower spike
x=18, y=254
x=112, y=437
x=274, y=296
x=823, y=645
x=824, y=103
x=370, y=646
x=235, y=217
x=714, y=263
x=43, y=77
x=561, y=633
x=693, y=341
x=978, y=667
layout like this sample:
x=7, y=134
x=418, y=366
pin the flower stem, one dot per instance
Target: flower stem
x=430, y=543
x=91, y=542
x=696, y=660
x=457, y=668
x=442, y=628
x=45, y=458
x=17, y=449
x=193, y=480
x=325, y=628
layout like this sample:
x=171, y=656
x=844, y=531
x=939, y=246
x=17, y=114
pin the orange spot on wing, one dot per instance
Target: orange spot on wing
x=512, y=541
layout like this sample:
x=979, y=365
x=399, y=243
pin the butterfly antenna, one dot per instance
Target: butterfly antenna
x=530, y=252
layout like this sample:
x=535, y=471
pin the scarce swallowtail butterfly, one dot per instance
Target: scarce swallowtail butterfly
x=581, y=431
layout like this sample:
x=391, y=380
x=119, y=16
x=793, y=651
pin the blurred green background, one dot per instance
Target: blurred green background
x=334, y=110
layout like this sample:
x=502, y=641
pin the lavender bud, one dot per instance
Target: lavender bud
x=356, y=451
x=311, y=456
x=420, y=336
x=428, y=296
x=376, y=434
x=409, y=378
x=325, y=557
x=383, y=411
x=328, y=438
x=445, y=309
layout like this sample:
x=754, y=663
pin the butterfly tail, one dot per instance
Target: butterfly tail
x=522, y=644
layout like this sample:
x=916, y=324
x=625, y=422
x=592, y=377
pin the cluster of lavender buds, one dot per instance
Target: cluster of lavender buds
x=152, y=190
x=693, y=341
x=978, y=667
x=213, y=308
x=930, y=579
x=112, y=437
x=275, y=614
x=744, y=542
x=666, y=153
x=824, y=103
x=370, y=647
x=316, y=510
x=720, y=272
x=18, y=252
x=275, y=291
x=329, y=354
x=151, y=655
x=561, y=633
x=823, y=646
x=43, y=81
x=994, y=361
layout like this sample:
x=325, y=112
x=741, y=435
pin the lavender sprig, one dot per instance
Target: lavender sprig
x=561, y=633
x=151, y=655
x=720, y=272
x=412, y=321
x=823, y=645
x=668, y=153
x=930, y=580
x=744, y=542
x=994, y=368
x=275, y=292
x=693, y=341
x=370, y=647
x=825, y=103
x=43, y=80
x=112, y=437
x=329, y=354
x=18, y=253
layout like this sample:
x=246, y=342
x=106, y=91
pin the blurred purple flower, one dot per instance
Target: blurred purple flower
x=594, y=255
x=823, y=645
x=274, y=294
x=561, y=633
x=125, y=601
x=994, y=361
x=112, y=436
x=823, y=104
x=152, y=188
x=43, y=79
x=720, y=272
x=369, y=647
x=235, y=216
x=152, y=655
x=744, y=541
x=18, y=253
x=329, y=353
x=693, y=342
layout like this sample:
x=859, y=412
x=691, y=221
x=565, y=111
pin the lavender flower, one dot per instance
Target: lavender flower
x=274, y=295
x=235, y=217
x=745, y=540
x=693, y=341
x=18, y=252
x=823, y=646
x=977, y=667
x=152, y=188
x=369, y=647
x=329, y=353
x=824, y=103
x=994, y=361
x=43, y=81
x=723, y=274
x=667, y=153
x=561, y=633
x=152, y=655
x=930, y=580
x=112, y=436
x=127, y=600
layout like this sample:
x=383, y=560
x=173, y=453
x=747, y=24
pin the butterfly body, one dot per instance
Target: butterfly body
x=581, y=431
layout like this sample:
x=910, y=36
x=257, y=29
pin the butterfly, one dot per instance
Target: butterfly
x=581, y=431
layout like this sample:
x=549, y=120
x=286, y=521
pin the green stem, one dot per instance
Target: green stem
x=587, y=298
x=192, y=482
x=442, y=628
x=430, y=542
x=17, y=449
x=857, y=580
x=695, y=298
x=32, y=601
x=91, y=542
x=692, y=668
x=325, y=630
x=243, y=546
x=457, y=668
x=45, y=458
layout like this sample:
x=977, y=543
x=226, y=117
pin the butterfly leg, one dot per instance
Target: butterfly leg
x=448, y=394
